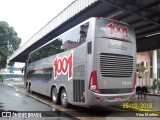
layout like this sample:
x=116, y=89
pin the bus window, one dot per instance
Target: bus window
x=50, y=49
x=83, y=33
x=67, y=41
x=40, y=74
x=76, y=37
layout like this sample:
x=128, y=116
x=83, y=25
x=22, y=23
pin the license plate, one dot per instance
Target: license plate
x=117, y=98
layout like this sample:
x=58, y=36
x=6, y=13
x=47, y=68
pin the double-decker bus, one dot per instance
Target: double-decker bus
x=92, y=64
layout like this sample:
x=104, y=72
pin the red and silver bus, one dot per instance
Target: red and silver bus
x=93, y=63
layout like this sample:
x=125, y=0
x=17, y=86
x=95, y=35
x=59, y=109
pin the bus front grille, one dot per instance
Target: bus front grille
x=116, y=65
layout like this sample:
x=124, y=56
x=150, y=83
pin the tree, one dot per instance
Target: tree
x=2, y=77
x=9, y=42
x=142, y=71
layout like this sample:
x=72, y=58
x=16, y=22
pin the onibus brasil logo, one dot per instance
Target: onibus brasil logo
x=63, y=65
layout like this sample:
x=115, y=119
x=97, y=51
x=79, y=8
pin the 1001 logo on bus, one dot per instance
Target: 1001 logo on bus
x=118, y=29
x=63, y=66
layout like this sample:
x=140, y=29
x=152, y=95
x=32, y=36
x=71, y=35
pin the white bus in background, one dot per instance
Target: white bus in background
x=92, y=64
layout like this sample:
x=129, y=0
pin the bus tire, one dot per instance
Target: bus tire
x=28, y=87
x=55, y=96
x=64, y=101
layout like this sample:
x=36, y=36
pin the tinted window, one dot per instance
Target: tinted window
x=48, y=50
x=83, y=33
x=75, y=37
x=40, y=74
x=67, y=41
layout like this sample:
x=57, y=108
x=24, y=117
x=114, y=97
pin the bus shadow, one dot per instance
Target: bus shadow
x=76, y=111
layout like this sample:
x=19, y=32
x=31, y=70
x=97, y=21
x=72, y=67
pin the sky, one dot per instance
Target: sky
x=29, y=16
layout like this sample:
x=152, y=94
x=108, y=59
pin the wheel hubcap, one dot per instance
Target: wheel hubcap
x=54, y=95
x=64, y=98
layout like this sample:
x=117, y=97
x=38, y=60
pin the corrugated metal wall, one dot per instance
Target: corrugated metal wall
x=74, y=8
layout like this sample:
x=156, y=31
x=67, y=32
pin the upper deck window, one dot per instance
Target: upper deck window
x=83, y=33
x=69, y=40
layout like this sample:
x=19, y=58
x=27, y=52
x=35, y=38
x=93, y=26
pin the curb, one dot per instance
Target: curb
x=157, y=95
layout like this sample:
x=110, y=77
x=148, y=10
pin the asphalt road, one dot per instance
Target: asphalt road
x=16, y=99
x=16, y=103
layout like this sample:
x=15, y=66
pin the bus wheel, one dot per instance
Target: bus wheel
x=64, y=100
x=55, y=96
x=28, y=87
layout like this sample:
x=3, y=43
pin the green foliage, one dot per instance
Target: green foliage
x=158, y=84
x=2, y=77
x=9, y=42
x=155, y=84
x=141, y=69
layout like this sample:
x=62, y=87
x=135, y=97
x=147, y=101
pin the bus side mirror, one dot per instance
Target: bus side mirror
x=23, y=69
x=82, y=32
